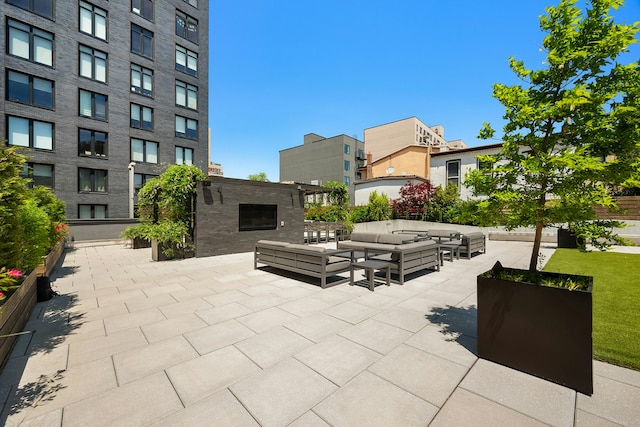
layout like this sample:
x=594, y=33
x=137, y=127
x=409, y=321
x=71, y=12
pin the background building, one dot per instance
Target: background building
x=388, y=138
x=103, y=94
x=320, y=160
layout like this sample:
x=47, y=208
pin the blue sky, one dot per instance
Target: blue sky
x=279, y=69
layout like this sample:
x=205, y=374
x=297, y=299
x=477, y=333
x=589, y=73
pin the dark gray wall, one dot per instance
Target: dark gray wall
x=82, y=230
x=217, y=213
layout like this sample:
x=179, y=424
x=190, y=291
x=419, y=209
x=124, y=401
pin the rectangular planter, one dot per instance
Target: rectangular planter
x=157, y=253
x=140, y=243
x=543, y=331
x=15, y=312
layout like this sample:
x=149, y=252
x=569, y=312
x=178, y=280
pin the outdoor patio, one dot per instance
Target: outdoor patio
x=211, y=341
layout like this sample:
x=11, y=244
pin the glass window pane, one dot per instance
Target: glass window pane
x=43, y=51
x=188, y=156
x=18, y=131
x=42, y=92
x=179, y=156
x=43, y=175
x=100, y=178
x=147, y=118
x=43, y=135
x=147, y=84
x=18, y=87
x=84, y=180
x=85, y=65
x=101, y=70
x=84, y=142
x=135, y=115
x=84, y=211
x=181, y=96
x=101, y=106
x=152, y=152
x=181, y=59
x=147, y=47
x=193, y=100
x=181, y=129
x=85, y=20
x=192, y=130
x=85, y=103
x=192, y=32
x=43, y=7
x=18, y=43
x=136, y=40
x=192, y=64
x=101, y=27
x=101, y=144
x=100, y=211
x=137, y=150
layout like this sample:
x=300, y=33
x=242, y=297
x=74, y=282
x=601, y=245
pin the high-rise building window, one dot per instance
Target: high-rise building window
x=186, y=128
x=141, y=80
x=453, y=172
x=347, y=148
x=29, y=89
x=347, y=180
x=141, y=41
x=38, y=174
x=92, y=143
x=92, y=180
x=93, y=20
x=39, y=7
x=30, y=133
x=186, y=27
x=184, y=156
x=29, y=42
x=186, y=95
x=93, y=105
x=144, y=151
x=143, y=8
x=186, y=61
x=92, y=211
x=93, y=64
x=347, y=165
x=141, y=117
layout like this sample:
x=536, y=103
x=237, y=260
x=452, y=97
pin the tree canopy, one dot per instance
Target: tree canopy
x=572, y=128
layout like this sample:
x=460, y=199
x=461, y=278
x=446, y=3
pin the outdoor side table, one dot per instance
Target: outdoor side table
x=450, y=246
x=370, y=266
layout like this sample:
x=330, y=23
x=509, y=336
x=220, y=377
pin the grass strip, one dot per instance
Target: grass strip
x=616, y=301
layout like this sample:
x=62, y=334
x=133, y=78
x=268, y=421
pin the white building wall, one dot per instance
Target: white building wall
x=468, y=161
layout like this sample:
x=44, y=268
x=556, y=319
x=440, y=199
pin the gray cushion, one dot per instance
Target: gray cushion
x=318, y=249
x=477, y=234
x=395, y=239
x=441, y=233
x=417, y=245
x=364, y=237
x=272, y=243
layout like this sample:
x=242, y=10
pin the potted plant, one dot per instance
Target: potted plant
x=138, y=235
x=166, y=206
x=570, y=133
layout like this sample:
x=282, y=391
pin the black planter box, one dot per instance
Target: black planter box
x=540, y=330
x=157, y=252
x=567, y=239
x=140, y=243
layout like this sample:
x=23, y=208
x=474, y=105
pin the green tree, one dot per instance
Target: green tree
x=572, y=128
x=260, y=176
x=441, y=206
x=340, y=194
x=379, y=208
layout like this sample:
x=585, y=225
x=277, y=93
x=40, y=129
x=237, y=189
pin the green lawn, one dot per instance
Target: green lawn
x=616, y=301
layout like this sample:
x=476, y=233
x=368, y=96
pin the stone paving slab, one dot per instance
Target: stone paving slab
x=213, y=341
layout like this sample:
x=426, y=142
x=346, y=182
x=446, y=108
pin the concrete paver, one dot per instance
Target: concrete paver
x=211, y=340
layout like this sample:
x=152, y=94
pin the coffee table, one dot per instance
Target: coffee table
x=452, y=247
x=370, y=266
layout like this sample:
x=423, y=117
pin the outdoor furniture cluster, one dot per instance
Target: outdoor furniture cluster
x=407, y=253
x=314, y=261
x=319, y=231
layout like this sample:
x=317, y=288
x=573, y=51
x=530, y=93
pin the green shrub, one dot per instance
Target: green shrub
x=358, y=214
x=31, y=236
x=378, y=208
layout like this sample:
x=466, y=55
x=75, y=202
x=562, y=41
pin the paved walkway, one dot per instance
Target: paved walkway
x=211, y=341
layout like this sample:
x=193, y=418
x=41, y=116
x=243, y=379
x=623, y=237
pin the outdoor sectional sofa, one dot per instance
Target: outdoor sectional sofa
x=471, y=242
x=314, y=261
x=406, y=252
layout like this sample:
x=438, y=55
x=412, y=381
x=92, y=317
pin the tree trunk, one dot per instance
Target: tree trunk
x=536, y=247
